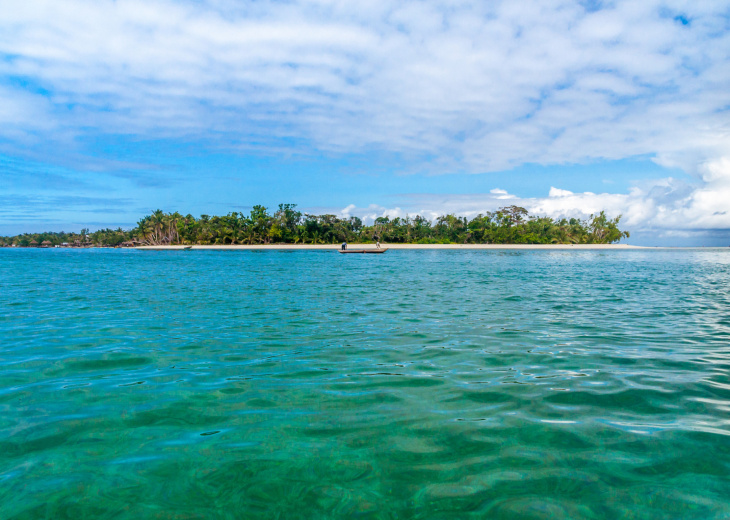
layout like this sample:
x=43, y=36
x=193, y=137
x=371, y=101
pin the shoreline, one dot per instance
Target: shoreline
x=335, y=247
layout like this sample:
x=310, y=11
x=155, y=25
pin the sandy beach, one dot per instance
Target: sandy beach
x=311, y=247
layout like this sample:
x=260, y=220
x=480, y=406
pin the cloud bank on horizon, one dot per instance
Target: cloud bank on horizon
x=444, y=87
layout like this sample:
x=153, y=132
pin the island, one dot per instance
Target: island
x=511, y=225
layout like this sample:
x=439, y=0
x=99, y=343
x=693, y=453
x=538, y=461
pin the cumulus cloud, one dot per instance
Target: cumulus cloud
x=665, y=207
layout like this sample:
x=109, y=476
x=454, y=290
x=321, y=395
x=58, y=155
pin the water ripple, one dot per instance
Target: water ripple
x=419, y=384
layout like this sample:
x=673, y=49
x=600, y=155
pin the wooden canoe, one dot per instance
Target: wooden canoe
x=370, y=251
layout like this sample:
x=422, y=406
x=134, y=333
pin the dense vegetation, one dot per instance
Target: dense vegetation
x=102, y=237
x=509, y=225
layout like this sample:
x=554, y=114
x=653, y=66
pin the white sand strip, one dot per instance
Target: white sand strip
x=311, y=247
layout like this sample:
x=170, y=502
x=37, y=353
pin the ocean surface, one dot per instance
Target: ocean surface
x=414, y=384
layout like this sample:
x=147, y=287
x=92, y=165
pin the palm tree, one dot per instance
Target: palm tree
x=157, y=221
x=143, y=230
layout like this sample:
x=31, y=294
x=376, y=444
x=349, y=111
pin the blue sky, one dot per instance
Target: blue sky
x=111, y=109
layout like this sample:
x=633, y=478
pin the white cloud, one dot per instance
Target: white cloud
x=448, y=85
x=556, y=192
x=667, y=207
x=541, y=81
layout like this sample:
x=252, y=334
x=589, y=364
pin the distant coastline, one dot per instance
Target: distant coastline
x=331, y=247
x=511, y=225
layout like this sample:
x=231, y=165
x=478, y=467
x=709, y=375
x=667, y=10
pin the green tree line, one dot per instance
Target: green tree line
x=508, y=225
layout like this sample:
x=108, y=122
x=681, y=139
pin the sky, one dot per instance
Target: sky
x=110, y=109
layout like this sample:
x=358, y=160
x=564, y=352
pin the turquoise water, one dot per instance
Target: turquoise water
x=415, y=384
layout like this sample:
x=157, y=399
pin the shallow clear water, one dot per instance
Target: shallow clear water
x=415, y=384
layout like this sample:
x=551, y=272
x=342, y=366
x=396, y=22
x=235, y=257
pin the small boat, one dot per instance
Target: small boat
x=367, y=251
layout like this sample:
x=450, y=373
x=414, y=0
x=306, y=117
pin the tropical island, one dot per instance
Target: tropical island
x=287, y=225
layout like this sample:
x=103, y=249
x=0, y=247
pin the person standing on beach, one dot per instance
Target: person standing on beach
x=377, y=244
x=344, y=245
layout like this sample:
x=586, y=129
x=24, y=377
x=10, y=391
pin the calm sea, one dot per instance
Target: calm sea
x=415, y=384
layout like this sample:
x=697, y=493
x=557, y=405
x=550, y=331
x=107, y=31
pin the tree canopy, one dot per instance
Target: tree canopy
x=287, y=225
